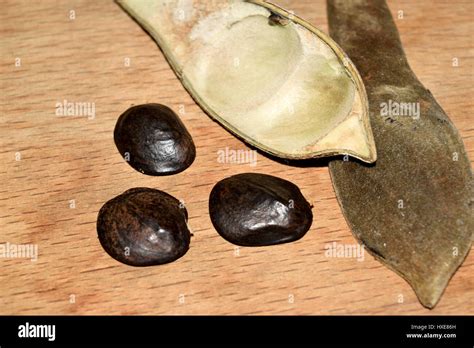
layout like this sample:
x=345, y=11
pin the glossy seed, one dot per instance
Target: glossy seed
x=144, y=227
x=256, y=209
x=153, y=140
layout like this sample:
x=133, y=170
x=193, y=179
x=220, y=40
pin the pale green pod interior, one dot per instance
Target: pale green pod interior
x=282, y=87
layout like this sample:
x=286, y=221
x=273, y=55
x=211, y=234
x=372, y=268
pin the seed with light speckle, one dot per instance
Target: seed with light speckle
x=144, y=227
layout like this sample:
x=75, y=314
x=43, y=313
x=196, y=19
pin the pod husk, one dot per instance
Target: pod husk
x=412, y=209
x=296, y=95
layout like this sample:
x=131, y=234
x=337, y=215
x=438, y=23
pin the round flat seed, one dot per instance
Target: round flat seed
x=153, y=140
x=256, y=209
x=144, y=227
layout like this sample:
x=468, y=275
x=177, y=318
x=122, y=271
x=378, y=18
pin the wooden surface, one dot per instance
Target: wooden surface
x=74, y=158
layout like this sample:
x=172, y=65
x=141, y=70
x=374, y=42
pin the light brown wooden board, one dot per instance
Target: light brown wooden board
x=73, y=158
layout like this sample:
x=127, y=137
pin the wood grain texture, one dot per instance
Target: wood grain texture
x=74, y=158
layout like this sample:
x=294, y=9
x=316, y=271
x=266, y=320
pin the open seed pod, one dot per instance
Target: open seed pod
x=264, y=74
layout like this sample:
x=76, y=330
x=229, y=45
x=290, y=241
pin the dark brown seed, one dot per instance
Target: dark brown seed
x=256, y=209
x=153, y=140
x=144, y=227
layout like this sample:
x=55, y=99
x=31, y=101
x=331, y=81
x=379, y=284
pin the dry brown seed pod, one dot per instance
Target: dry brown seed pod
x=264, y=74
x=413, y=208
